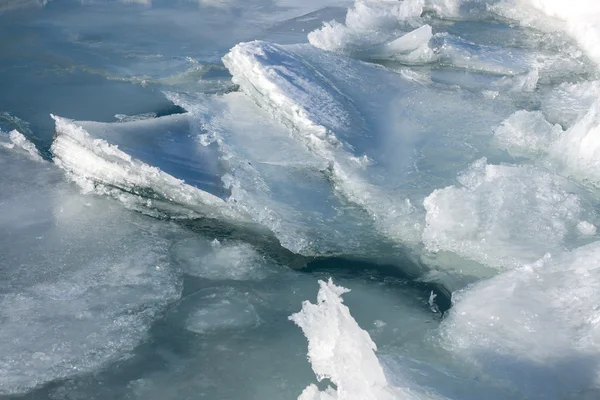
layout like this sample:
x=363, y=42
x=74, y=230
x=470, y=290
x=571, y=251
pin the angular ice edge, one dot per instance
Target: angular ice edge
x=537, y=327
x=527, y=133
x=97, y=166
x=18, y=140
x=502, y=216
x=578, y=148
x=339, y=350
x=569, y=102
x=574, y=152
x=377, y=30
x=277, y=180
x=299, y=95
x=168, y=143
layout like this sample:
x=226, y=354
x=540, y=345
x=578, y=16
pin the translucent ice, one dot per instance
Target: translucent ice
x=502, y=325
x=98, y=166
x=82, y=278
x=325, y=100
x=502, y=215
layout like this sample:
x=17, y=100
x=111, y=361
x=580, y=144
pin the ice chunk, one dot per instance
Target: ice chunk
x=339, y=349
x=19, y=141
x=578, y=149
x=400, y=126
x=527, y=133
x=413, y=42
x=569, y=102
x=502, y=216
x=502, y=326
x=573, y=152
x=97, y=166
x=586, y=228
x=377, y=30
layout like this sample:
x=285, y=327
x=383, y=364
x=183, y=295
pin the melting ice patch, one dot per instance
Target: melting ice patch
x=536, y=327
x=502, y=215
x=218, y=261
x=217, y=310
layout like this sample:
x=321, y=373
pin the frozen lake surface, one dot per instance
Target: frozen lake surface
x=284, y=199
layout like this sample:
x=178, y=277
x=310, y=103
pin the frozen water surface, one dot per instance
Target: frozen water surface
x=273, y=199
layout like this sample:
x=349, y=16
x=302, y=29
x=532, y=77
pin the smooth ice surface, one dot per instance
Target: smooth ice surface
x=168, y=143
x=220, y=310
x=82, y=278
x=215, y=260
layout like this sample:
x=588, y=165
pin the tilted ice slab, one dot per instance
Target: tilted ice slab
x=277, y=180
x=503, y=216
x=168, y=143
x=536, y=328
x=101, y=167
x=387, y=144
x=82, y=278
